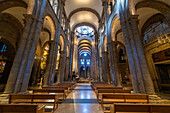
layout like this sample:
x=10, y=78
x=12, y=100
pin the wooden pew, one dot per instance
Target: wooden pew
x=73, y=83
x=110, y=91
x=70, y=86
x=67, y=90
x=148, y=108
x=58, y=92
x=34, y=98
x=21, y=108
x=106, y=87
x=101, y=85
x=93, y=84
x=124, y=98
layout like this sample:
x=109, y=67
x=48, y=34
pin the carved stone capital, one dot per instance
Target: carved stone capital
x=133, y=18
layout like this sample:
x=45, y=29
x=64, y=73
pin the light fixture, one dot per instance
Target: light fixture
x=163, y=39
x=85, y=54
x=82, y=63
x=88, y=63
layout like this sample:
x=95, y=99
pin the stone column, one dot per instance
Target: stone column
x=100, y=66
x=57, y=39
x=61, y=69
x=135, y=58
x=93, y=62
x=33, y=43
x=10, y=86
x=36, y=71
x=148, y=83
x=115, y=76
x=131, y=62
x=49, y=67
x=106, y=67
x=67, y=69
x=71, y=55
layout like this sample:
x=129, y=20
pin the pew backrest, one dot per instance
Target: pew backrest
x=21, y=108
x=34, y=98
x=112, y=91
x=124, y=98
x=151, y=108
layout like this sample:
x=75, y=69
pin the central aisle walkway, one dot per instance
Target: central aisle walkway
x=81, y=100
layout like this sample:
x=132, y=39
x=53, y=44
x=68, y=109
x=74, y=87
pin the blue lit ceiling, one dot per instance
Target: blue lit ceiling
x=84, y=31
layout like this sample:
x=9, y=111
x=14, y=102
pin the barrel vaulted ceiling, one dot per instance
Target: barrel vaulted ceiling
x=83, y=11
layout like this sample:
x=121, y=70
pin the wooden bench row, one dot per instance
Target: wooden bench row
x=21, y=108
x=124, y=98
x=100, y=92
x=147, y=108
x=50, y=94
x=34, y=98
x=57, y=92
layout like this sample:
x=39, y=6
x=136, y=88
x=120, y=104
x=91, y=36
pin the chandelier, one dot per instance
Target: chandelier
x=165, y=38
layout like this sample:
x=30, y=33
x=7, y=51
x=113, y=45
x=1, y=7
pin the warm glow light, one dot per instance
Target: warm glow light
x=76, y=42
x=84, y=2
x=84, y=16
x=93, y=43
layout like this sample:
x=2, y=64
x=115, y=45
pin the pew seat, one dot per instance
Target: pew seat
x=123, y=98
x=58, y=92
x=142, y=108
x=21, y=108
x=100, y=92
x=34, y=98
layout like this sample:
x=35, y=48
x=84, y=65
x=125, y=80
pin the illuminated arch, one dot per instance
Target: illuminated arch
x=62, y=42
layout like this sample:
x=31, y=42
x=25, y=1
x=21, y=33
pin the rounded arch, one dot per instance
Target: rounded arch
x=84, y=9
x=50, y=25
x=115, y=27
x=12, y=3
x=84, y=24
x=152, y=20
x=85, y=41
x=120, y=45
x=10, y=28
x=158, y=5
x=32, y=6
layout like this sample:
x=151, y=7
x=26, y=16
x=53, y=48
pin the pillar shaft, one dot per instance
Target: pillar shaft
x=32, y=50
x=67, y=69
x=106, y=71
x=60, y=76
x=131, y=62
x=148, y=84
x=10, y=86
x=115, y=76
x=49, y=67
x=100, y=66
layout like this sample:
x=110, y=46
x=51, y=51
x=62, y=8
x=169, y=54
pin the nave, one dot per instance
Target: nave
x=50, y=49
x=81, y=100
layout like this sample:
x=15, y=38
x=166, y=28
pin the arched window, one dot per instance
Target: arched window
x=3, y=56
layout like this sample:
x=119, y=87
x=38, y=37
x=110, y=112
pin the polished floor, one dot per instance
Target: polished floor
x=81, y=100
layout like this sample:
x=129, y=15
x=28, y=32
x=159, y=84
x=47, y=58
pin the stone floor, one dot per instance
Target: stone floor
x=81, y=100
